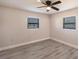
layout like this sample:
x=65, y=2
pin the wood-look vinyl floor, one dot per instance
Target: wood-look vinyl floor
x=42, y=50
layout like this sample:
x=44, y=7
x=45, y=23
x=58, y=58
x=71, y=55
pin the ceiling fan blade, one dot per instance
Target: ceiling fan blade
x=41, y=6
x=43, y=3
x=57, y=2
x=55, y=8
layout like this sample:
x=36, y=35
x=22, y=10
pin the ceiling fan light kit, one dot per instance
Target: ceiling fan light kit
x=48, y=8
x=49, y=4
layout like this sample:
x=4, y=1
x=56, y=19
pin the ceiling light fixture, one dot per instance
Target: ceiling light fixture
x=48, y=8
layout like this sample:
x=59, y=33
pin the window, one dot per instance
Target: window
x=33, y=23
x=69, y=22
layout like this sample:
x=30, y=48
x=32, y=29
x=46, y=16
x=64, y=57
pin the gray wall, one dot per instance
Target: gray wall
x=57, y=31
x=13, y=27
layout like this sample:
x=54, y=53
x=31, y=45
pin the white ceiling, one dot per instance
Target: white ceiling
x=32, y=5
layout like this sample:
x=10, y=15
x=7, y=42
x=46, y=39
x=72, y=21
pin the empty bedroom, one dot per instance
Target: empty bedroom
x=38, y=29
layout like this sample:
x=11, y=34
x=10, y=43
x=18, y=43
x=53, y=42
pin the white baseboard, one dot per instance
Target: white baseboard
x=66, y=43
x=39, y=40
x=22, y=44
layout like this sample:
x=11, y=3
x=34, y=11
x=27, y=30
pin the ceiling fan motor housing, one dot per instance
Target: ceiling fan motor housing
x=48, y=3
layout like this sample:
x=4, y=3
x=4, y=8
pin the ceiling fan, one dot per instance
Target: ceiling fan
x=49, y=4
